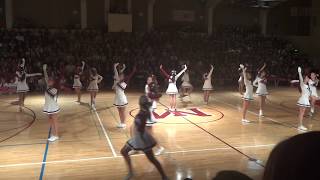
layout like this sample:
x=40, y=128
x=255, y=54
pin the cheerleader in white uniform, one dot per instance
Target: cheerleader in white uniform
x=120, y=100
x=21, y=81
x=77, y=85
x=120, y=71
x=93, y=88
x=142, y=140
x=303, y=101
x=260, y=82
x=186, y=86
x=51, y=107
x=172, y=90
x=313, y=83
x=207, y=85
x=248, y=95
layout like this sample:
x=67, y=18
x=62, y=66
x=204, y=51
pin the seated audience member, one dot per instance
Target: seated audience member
x=231, y=175
x=296, y=158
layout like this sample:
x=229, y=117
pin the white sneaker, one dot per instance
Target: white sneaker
x=53, y=138
x=261, y=113
x=302, y=128
x=245, y=121
x=93, y=107
x=150, y=123
x=159, y=151
x=310, y=113
x=121, y=126
x=132, y=152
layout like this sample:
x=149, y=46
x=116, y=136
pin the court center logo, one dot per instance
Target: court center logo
x=181, y=116
x=188, y=112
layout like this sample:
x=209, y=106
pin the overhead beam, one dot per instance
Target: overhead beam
x=212, y=3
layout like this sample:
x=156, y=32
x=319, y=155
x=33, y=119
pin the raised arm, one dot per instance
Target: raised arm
x=116, y=74
x=127, y=78
x=244, y=69
x=123, y=68
x=33, y=74
x=211, y=70
x=166, y=75
x=181, y=72
x=45, y=73
x=262, y=68
x=300, y=76
x=82, y=67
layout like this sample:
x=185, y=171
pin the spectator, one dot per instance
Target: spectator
x=296, y=159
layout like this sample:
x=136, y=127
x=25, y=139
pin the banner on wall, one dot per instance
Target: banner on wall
x=183, y=15
x=119, y=22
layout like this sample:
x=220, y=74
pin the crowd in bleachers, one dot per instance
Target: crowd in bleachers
x=225, y=49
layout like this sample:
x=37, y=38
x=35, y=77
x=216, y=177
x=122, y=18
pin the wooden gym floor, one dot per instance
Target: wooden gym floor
x=196, y=145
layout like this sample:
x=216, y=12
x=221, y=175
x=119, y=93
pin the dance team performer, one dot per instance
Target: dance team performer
x=313, y=83
x=152, y=92
x=186, y=86
x=303, y=101
x=77, y=85
x=172, y=89
x=248, y=95
x=120, y=100
x=21, y=82
x=120, y=70
x=142, y=140
x=260, y=82
x=51, y=107
x=93, y=87
x=207, y=85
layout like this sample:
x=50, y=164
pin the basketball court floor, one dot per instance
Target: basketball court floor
x=200, y=140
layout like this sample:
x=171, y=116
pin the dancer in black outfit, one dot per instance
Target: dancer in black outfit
x=141, y=139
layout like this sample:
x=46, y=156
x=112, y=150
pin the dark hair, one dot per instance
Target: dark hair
x=260, y=72
x=154, y=79
x=23, y=76
x=93, y=71
x=296, y=158
x=78, y=69
x=144, y=112
x=173, y=76
x=154, y=91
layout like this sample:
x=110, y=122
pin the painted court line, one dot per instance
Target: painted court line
x=115, y=157
x=106, y=135
x=45, y=157
x=270, y=119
